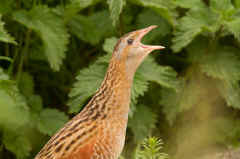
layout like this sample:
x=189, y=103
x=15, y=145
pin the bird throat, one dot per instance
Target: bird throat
x=112, y=99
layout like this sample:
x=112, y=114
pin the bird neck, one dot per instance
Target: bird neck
x=113, y=96
x=118, y=82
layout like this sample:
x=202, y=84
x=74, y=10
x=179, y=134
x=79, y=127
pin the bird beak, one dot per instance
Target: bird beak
x=141, y=33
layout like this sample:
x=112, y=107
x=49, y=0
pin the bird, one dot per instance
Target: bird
x=98, y=131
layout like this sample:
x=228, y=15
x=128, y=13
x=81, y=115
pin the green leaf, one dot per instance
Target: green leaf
x=13, y=111
x=237, y=3
x=26, y=87
x=163, y=75
x=226, y=130
x=190, y=3
x=170, y=102
x=3, y=75
x=229, y=16
x=197, y=49
x=109, y=44
x=142, y=122
x=230, y=92
x=75, y=6
x=140, y=86
x=108, y=47
x=50, y=120
x=115, y=7
x=165, y=8
x=222, y=6
x=88, y=80
x=6, y=6
x=26, y=84
x=50, y=28
x=233, y=27
x=82, y=3
x=4, y=36
x=87, y=28
x=149, y=17
x=196, y=21
x=17, y=144
x=187, y=96
x=217, y=64
x=150, y=148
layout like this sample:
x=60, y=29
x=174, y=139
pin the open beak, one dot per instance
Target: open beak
x=141, y=34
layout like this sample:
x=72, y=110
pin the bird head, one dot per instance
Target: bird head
x=130, y=52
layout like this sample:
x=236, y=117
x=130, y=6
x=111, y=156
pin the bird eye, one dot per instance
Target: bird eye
x=130, y=41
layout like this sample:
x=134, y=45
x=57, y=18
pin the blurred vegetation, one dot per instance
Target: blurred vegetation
x=53, y=55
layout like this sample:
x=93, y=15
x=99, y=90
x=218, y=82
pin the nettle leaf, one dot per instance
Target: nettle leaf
x=163, y=75
x=4, y=36
x=3, y=75
x=190, y=3
x=233, y=27
x=26, y=87
x=222, y=6
x=26, y=84
x=6, y=6
x=229, y=16
x=170, y=101
x=35, y=103
x=50, y=120
x=13, y=111
x=217, y=64
x=195, y=22
x=109, y=44
x=82, y=3
x=140, y=86
x=87, y=28
x=230, y=92
x=165, y=8
x=108, y=47
x=142, y=122
x=197, y=49
x=88, y=80
x=115, y=7
x=237, y=3
x=75, y=6
x=17, y=144
x=188, y=95
x=50, y=28
x=147, y=18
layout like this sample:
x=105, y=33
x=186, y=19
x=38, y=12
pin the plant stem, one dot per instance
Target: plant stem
x=34, y=3
x=121, y=25
x=6, y=58
x=18, y=4
x=7, y=50
x=15, y=55
x=23, y=54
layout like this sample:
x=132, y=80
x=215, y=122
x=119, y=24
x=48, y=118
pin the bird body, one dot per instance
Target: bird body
x=98, y=131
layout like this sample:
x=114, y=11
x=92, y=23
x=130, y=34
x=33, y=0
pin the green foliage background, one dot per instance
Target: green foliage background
x=54, y=53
